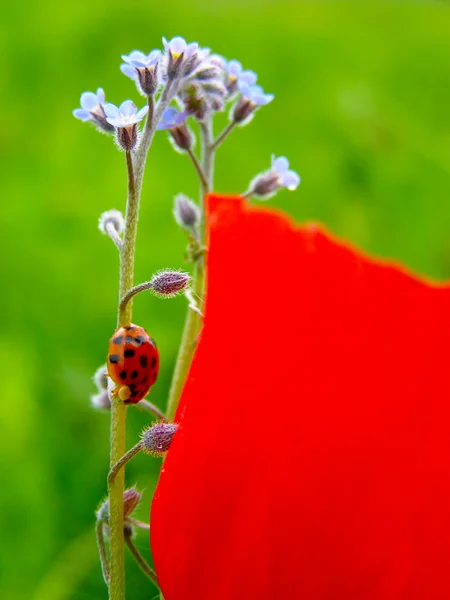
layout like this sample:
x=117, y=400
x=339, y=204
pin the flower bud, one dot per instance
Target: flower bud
x=265, y=185
x=157, y=439
x=182, y=137
x=111, y=217
x=100, y=379
x=186, y=212
x=167, y=284
x=131, y=499
x=243, y=110
x=101, y=400
x=148, y=79
x=127, y=137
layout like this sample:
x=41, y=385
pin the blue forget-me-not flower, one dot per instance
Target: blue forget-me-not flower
x=143, y=69
x=181, y=58
x=125, y=118
x=174, y=121
x=236, y=76
x=92, y=109
x=252, y=96
x=279, y=176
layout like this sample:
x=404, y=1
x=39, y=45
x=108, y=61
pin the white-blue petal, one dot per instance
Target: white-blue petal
x=100, y=96
x=128, y=108
x=290, y=180
x=245, y=89
x=82, y=114
x=234, y=68
x=280, y=165
x=153, y=57
x=138, y=55
x=129, y=71
x=177, y=45
x=141, y=113
x=114, y=122
x=111, y=111
x=88, y=100
x=249, y=77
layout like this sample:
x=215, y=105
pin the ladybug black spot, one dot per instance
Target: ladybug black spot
x=134, y=374
x=128, y=353
x=132, y=386
x=129, y=339
x=114, y=358
x=123, y=374
x=134, y=394
x=144, y=361
x=139, y=339
x=153, y=363
x=118, y=339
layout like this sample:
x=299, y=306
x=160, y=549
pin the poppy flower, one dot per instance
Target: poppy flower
x=312, y=459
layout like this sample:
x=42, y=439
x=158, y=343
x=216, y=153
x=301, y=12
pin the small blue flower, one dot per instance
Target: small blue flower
x=181, y=59
x=172, y=118
x=266, y=184
x=237, y=74
x=178, y=46
x=125, y=115
x=142, y=69
x=92, y=109
x=255, y=94
x=287, y=178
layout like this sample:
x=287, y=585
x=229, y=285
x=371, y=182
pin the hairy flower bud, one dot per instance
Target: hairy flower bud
x=265, y=185
x=186, y=212
x=182, y=137
x=167, y=284
x=127, y=137
x=100, y=379
x=101, y=400
x=112, y=218
x=243, y=110
x=131, y=499
x=157, y=439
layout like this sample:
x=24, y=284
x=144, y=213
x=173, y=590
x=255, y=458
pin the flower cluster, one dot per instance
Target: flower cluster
x=187, y=81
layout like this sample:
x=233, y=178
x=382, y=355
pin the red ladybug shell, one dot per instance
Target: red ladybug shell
x=133, y=360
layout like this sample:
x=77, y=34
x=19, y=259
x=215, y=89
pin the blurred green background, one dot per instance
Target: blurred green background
x=361, y=110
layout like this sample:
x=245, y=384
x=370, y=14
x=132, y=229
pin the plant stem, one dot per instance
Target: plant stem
x=139, y=524
x=115, y=469
x=197, y=166
x=116, y=485
x=152, y=409
x=222, y=135
x=193, y=321
x=102, y=550
x=144, y=566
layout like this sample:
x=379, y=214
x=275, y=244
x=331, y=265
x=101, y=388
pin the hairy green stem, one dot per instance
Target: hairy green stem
x=115, y=469
x=116, y=485
x=193, y=321
x=223, y=134
x=143, y=564
x=102, y=550
x=152, y=409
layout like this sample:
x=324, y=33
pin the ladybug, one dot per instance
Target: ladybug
x=133, y=363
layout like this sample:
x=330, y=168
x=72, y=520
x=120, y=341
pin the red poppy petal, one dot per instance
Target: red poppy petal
x=313, y=456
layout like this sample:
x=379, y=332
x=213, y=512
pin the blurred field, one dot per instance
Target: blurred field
x=361, y=110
